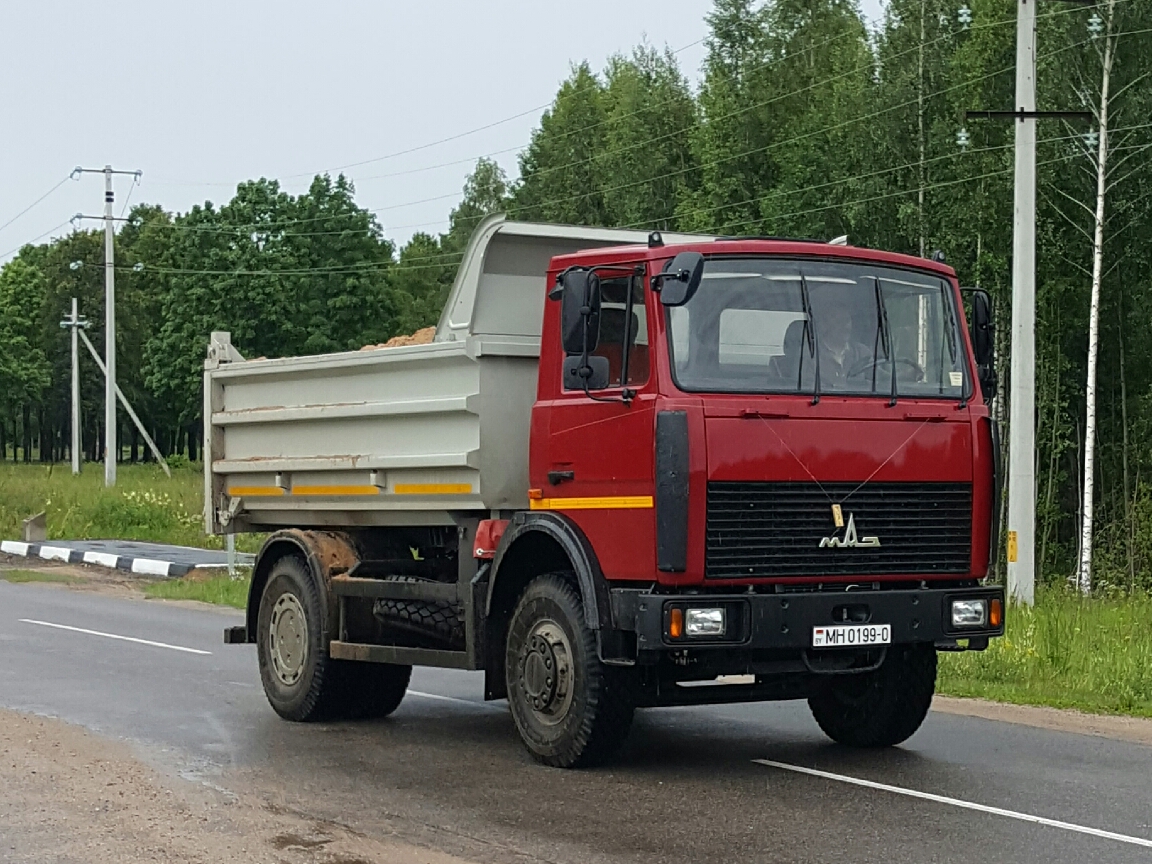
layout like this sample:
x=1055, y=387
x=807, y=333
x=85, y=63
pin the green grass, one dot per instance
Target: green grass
x=221, y=590
x=144, y=505
x=21, y=576
x=1066, y=652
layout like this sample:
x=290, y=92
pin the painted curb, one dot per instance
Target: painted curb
x=148, y=566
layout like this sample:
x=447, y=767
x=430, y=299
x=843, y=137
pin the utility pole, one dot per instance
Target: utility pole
x=111, y=447
x=1022, y=390
x=74, y=323
x=1022, y=384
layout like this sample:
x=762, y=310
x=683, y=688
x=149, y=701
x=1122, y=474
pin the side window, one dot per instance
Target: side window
x=615, y=327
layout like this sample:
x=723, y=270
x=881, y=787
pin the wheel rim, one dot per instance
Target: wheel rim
x=545, y=673
x=288, y=639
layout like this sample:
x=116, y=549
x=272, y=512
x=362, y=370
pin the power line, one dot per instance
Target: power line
x=34, y=203
x=628, y=148
x=35, y=239
x=656, y=139
x=633, y=146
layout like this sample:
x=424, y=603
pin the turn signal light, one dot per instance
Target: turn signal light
x=676, y=623
x=996, y=613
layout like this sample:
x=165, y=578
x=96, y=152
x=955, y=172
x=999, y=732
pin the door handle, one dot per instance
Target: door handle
x=557, y=477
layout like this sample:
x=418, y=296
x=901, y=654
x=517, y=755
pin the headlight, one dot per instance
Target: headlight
x=969, y=613
x=703, y=622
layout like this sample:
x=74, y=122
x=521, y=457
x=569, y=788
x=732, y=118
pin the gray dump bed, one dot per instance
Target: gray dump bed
x=393, y=436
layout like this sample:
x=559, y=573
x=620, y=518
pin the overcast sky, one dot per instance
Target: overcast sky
x=200, y=96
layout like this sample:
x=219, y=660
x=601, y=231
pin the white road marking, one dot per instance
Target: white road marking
x=956, y=802
x=11, y=547
x=470, y=702
x=114, y=636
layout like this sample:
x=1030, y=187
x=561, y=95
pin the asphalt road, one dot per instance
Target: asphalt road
x=447, y=770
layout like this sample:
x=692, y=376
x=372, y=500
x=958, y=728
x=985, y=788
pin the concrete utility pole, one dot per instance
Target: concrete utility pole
x=111, y=444
x=111, y=447
x=74, y=323
x=1022, y=395
x=1022, y=386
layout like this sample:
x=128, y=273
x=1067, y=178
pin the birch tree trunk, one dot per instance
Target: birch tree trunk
x=923, y=144
x=1085, y=580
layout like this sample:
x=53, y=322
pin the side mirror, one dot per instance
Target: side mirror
x=983, y=332
x=680, y=279
x=592, y=374
x=579, y=312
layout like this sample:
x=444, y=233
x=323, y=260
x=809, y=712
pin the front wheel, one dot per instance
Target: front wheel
x=569, y=708
x=880, y=708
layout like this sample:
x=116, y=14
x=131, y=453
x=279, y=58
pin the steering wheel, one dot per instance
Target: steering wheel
x=862, y=366
x=859, y=368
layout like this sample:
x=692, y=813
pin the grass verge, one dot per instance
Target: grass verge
x=37, y=576
x=221, y=590
x=144, y=505
x=1066, y=652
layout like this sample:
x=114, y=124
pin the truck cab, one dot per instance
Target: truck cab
x=748, y=469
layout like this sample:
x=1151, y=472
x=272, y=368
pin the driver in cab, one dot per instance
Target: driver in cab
x=844, y=362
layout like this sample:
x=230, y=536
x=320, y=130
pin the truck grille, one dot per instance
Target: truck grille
x=775, y=529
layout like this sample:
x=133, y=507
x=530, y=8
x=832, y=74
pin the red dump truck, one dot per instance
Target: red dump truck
x=630, y=471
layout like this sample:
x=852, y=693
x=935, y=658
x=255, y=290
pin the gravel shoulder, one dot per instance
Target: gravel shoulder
x=1138, y=730
x=68, y=795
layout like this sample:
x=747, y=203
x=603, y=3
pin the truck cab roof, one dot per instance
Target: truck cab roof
x=739, y=246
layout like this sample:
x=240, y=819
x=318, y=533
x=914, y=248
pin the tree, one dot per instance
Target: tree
x=24, y=369
x=647, y=163
x=560, y=180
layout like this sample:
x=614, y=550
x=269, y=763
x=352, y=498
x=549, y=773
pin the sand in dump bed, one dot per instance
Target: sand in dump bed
x=420, y=337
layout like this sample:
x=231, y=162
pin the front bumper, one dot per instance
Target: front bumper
x=786, y=621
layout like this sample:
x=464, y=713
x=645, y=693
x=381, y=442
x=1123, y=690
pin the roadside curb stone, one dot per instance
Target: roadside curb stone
x=166, y=561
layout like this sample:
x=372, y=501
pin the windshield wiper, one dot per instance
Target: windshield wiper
x=883, y=327
x=813, y=339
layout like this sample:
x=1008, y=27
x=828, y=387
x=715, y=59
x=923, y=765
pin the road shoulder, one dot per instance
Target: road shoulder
x=1137, y=730
x=70, y=795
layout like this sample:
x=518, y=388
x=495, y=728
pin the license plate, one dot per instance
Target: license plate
x=851, y=635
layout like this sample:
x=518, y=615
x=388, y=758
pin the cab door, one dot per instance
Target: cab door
x=600, y=462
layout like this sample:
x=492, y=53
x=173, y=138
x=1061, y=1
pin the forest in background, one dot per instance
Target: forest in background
x=803, y=123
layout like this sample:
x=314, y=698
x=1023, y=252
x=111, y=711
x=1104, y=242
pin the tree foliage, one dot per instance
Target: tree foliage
x=803, y=123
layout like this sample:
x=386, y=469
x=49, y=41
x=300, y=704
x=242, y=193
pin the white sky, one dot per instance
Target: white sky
x=200, y=96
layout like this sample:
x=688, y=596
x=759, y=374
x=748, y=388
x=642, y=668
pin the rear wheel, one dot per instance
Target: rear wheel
x=880, y=708
x=298, y=676
x=372, y=690
x=569, y=708
x=301, y=681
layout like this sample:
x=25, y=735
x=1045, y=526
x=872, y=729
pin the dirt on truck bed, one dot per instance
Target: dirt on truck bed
x=420, y=337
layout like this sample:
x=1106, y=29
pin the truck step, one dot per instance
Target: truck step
x=395, y=589
x=400, y=656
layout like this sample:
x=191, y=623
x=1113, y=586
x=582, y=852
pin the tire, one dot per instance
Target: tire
x=300, y=679
x=433, y=622
x=881, y=708
x=371, y=690
x=549, y=645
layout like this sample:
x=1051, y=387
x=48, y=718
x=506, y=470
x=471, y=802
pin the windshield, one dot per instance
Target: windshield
x=773, y=325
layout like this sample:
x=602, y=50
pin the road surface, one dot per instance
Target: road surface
x=739, y=783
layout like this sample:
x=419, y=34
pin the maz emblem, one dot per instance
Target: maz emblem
x=850, y=541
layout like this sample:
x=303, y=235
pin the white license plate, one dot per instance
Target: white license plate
x=851, y=635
